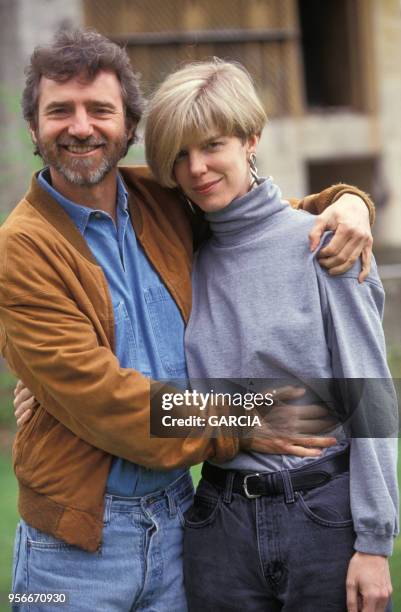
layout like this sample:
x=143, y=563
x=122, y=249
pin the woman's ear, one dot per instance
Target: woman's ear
x=252, y=143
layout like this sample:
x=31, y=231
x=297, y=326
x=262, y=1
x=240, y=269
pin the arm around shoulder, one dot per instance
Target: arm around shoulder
x=318, y=202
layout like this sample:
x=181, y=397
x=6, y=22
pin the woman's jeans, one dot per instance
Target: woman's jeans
x=289, y=552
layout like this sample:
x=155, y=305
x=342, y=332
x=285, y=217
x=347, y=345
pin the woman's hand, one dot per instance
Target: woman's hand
x=24, y=403
x=368, y=583
x=348, y=217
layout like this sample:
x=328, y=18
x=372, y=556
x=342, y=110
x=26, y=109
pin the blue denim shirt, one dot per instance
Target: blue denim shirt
x=149, y=328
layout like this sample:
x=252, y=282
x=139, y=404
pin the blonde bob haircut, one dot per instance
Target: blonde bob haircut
x=199, y=101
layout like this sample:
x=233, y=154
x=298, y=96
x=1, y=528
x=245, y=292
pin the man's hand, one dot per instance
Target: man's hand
x=348, y=217
x=368, y=583
x=289, y=429
x=286, y=429
x=24, y=404
x=295, y=445
x=286, y=418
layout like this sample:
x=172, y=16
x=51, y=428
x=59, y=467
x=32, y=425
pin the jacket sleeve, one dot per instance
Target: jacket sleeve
x=317, y=203
x=55, y=349
x=356, y=341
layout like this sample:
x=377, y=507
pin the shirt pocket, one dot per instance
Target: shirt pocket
x=125, y=342
x=168, y=329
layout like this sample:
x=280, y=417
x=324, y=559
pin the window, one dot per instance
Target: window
x=331, y=40
x=361, y=171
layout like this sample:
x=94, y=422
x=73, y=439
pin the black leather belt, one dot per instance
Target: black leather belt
x=253, y=485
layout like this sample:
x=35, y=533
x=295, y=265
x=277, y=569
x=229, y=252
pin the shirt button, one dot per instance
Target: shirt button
x=98, y=215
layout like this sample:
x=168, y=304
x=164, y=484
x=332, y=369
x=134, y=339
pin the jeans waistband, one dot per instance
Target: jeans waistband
x=177, y=491
x=258, y=484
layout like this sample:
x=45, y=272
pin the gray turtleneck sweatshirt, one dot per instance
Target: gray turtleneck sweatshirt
x=263, y=308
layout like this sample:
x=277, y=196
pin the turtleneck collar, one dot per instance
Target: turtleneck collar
x=246, y=217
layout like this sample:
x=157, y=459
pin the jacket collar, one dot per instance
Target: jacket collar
x=46, y=206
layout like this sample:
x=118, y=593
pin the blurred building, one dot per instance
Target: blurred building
x=328, y=72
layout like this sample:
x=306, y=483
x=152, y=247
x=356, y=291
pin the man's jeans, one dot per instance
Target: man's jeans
x=139, y=565
x=287, y=553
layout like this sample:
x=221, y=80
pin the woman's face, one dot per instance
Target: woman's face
x=216, y=171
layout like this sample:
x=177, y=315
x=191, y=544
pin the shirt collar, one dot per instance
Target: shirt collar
x=79, y=213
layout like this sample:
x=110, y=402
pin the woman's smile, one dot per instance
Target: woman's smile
x=207, y=187
x=215, y=172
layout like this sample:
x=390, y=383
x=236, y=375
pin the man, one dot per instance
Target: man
x=94, y=292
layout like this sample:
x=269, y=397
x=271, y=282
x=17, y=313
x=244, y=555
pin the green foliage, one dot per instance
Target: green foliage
x=10, y=101
x=8, y=522
x=7, y=384
x=394, y=360
x=196, y=474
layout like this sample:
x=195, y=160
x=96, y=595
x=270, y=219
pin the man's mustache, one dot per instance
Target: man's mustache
x=89, y=142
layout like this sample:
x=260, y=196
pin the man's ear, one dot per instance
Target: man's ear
x=131, y=128
x=33, y=133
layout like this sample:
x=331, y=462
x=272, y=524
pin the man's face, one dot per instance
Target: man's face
x=81, y=131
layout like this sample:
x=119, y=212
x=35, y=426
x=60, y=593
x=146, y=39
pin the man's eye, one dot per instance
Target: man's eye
x=58, y=111
x=100, y=110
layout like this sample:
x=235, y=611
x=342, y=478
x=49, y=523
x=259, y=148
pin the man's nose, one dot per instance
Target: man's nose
x=197, y=163
x=80, y=126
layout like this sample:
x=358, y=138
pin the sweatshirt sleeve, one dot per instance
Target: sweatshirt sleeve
x=356, y=341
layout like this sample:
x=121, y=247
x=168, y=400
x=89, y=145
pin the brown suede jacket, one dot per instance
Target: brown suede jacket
x=57, y=335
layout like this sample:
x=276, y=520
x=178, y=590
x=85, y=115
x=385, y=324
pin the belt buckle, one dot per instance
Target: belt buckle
x=245, y=486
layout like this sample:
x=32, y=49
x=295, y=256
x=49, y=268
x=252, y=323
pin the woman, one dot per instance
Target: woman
x=286, y=538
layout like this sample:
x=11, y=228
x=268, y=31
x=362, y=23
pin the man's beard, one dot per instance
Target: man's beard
x=79, y=171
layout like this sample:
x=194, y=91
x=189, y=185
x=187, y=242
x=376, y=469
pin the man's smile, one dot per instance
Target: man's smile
x=81, y=149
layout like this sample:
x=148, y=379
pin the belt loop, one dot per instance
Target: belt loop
x=107, y=509
x=228, y=491
x=172, y=506
x=288, y=489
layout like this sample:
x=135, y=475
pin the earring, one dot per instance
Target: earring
x=253, y=169
x=191, y=206
x=186, y=200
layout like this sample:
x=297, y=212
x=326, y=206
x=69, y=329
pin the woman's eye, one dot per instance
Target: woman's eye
x=181, y=154
x=215, y=144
